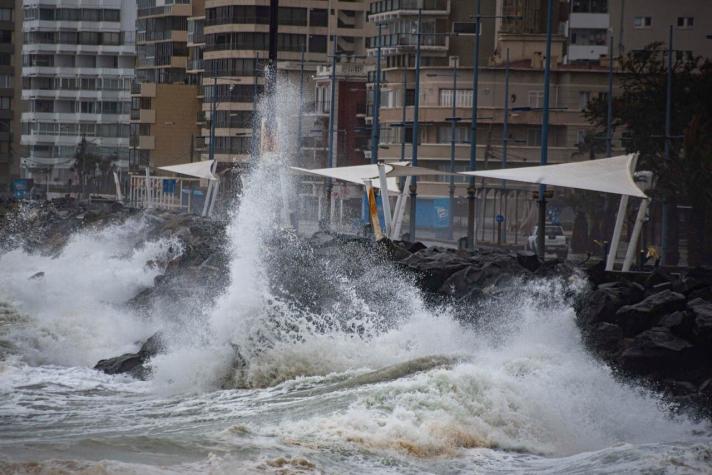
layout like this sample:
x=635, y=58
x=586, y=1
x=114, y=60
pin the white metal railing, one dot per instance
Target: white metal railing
x=158, y=192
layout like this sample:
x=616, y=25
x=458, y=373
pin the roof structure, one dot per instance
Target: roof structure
x=196, y=169
x=608, y=175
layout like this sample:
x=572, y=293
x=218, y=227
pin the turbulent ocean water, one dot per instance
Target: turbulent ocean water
x=348, y=370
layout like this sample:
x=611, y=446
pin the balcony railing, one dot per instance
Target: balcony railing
x=385, y=6
x=406, y=39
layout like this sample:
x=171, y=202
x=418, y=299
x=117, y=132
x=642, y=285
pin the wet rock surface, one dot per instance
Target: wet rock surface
x=656, y=327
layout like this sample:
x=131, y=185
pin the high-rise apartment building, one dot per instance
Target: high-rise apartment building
x=442, y=59
x=165, y=100
x=77, y=69
x=236, y=47
x=10, y=104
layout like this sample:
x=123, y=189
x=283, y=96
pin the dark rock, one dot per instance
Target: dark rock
x=702, y=329
x=395, y=251
x=133, y=363
x=704, y=293
x=434, y=265
x=127, y=363
x=658, y=276
x=414, y=247
x=529, y=260
x=605, y=338
x=657, y=352
x=36, y=276
x=680, y=323
x=602, y=304
x=679, y=388
x=645, y=314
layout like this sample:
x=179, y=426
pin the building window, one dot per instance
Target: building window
x=4, y=103
x=590, y=6
x=685, y=22
x=5, y=81
x=643, y=22
x=584, y=99
x=317, y=44
x=318, y=17
x=5, y=14
x=536, y=98
x=589, y=36
x=463, y=98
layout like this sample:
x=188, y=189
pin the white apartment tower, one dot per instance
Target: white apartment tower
x=77, y=70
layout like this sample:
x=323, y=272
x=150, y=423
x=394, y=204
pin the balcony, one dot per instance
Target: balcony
x=409, y=7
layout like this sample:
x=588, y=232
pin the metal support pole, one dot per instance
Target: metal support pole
x=609, y=118
x=665, y=225
x=376, y=103
x=416, y=105
x=471, y=238
x=400, y=210
x=301, y=103
x=541, y=234
x=505, y=142
x=332, y=119
x=255, y=124
x=635, y=235
x=403, y=126
x=385, y=199
x=617, y=230
x=453, y=122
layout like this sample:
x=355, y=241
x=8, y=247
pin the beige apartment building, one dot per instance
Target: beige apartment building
x=235, y=51
x=165, y=97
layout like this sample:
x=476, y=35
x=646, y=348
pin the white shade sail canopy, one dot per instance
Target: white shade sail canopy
x=197, y=169
x=358, y=173
x=608, y=175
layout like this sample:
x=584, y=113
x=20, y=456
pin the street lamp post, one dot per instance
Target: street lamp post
x=453, y=122
x=541, y=229
x=376, y=103
x=416, y=105
x=471, y=238
x=665, y=225
x=330, y=140
x=505, y=142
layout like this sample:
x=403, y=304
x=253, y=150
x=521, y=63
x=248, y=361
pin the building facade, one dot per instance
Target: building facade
x=165, y=97
x=77, y=70
x=235, y=49
x=10, y=103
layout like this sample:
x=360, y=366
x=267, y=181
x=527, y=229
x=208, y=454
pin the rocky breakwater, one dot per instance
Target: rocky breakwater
x=656, y=327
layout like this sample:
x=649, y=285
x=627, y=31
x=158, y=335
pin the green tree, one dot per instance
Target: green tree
x=639, y=111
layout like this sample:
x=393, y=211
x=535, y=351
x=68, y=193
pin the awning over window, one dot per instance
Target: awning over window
x=608, y=175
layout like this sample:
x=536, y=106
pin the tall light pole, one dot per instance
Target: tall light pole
x=609, y=117
x=416, y=105
x=301, y=105
x=255, y=124
x=541, y=229
x=403, y=115
x=376, y=103
x=505, y=140
x=330, y=140
x=473, y=131
x=665, y=225
x=453, y=122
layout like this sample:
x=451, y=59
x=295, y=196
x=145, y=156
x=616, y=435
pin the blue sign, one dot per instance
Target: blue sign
x=21, y=187
x=499, y=218
x=441, y=212
x=169, y=186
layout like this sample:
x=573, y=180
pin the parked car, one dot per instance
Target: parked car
x=555, y=241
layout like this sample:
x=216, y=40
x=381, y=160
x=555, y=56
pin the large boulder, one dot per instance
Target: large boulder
x=434, y=266
x=645, y=314
x=133, y=363
x=702, y=329
x=605, y=338
x=602, y=304
x=658, y=352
